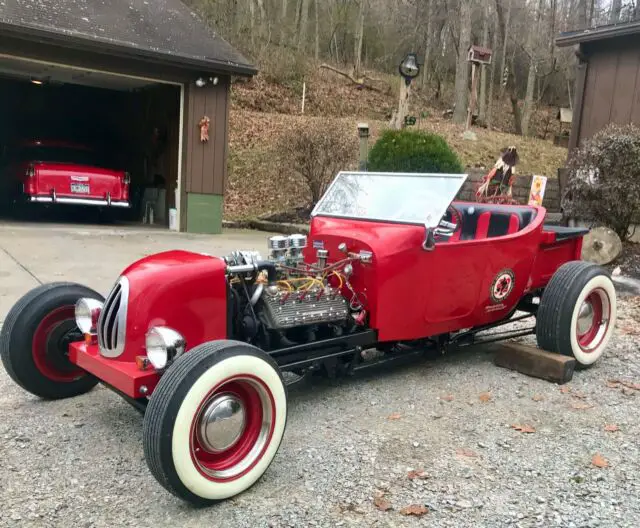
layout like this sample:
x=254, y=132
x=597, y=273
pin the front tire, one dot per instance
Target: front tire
x=215, y=421
x=35, y=339
x=577, y=312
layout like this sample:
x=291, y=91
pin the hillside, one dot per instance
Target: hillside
x=267, y=106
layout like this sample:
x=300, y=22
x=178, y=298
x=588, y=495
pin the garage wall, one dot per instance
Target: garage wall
x=205, y=164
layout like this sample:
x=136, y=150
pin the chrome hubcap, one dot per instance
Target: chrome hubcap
x=222, y=423
x=585, y=317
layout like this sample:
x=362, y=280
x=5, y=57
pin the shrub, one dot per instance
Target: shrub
x=604, y=179
x=413, y=151
x=317, y=154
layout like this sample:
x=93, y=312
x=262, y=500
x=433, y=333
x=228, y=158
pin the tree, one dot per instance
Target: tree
x=462, y=66
x=532, y=51
x=359, y=37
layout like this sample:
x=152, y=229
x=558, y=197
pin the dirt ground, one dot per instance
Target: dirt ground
x=453, y=442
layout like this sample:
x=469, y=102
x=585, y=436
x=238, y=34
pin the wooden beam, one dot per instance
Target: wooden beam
x=534, y=362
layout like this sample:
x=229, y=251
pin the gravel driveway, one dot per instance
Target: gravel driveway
x=350, y=447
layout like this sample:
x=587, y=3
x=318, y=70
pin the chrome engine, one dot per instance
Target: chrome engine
x=284, y=310
x=286, y=292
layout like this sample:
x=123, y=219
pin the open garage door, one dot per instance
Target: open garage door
x=87, y=141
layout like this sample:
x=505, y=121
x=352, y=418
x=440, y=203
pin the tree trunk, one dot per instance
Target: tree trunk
x=283, y=22
x=252, y=14
x=359, y=34
x=614, y=15
x=426, y=68
x=533, y=69
x=304, y=22
x=462, y=66
x=517, y=119
x=504, y=29
x=492, y=79
x=583, y=14
x=482, y=108
x=316, y=7
x=262, y=30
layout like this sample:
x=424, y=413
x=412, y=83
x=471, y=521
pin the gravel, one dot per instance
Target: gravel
x=79, y=462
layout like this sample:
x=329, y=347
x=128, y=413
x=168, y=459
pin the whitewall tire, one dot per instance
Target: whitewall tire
x=215, y=421
x=577, y=312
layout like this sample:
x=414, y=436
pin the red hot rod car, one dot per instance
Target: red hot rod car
x=60, y=172
x=391, y=268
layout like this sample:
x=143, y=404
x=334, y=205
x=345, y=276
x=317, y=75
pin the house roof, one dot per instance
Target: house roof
x=164, y=31
x=608, y=31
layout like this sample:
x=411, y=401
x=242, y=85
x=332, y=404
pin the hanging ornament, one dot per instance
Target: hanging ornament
x=204, y=129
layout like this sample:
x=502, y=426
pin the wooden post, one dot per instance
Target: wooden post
x=474, y=93
x=304, y=94
x=403, y=105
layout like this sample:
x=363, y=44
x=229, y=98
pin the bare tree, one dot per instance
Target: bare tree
x=304, y=22
x=616, y=8
x=532, y=52
x=359, y=37
x=482, y=110
x=462, y=66
x=426, y=68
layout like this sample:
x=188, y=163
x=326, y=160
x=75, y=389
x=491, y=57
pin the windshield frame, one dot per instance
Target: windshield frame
x=462, y=178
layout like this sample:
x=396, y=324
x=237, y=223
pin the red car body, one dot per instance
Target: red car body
x=187, y=291
x=64, y=173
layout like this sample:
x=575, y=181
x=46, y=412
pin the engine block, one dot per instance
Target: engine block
x=285, y=310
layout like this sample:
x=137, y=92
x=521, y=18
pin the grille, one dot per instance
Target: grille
x=112, y=323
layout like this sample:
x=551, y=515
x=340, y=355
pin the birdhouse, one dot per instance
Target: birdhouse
x=479, y=55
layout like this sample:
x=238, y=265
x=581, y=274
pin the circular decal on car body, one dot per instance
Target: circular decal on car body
x=502, y=286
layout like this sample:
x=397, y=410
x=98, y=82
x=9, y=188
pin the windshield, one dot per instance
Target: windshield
x=392, y=197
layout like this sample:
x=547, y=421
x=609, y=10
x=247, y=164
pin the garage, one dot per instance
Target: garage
x=140, y=89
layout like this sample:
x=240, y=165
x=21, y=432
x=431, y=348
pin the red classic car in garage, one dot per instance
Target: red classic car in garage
x=391, y=268
x=60, y=172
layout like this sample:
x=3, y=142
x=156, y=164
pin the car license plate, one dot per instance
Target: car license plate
x=80, y=188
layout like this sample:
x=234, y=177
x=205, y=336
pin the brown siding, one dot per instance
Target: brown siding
x=612, y=88
x=206, y=163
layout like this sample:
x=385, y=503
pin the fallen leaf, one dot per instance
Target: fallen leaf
x=613, y=384
x=599, y=461
x=579, y=395
x=537, y=397
x=581, y=406
x=417, y=474
x=463, y=451
x=565, y=389
x=394, y=416
x=611, y=428
x=414, y=509
x=382, y=504
x=447, y=397
x=628, y=392
x=485, y=397
x=523, y=428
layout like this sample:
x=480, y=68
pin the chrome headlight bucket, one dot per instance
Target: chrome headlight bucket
x=87, y=312
x=163, y=346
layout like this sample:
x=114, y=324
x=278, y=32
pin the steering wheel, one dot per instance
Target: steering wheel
x=450, y=223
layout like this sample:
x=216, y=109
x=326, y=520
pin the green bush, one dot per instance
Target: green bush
x=413, y=151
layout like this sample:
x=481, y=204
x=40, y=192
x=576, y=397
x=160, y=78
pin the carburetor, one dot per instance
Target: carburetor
x=287, y=250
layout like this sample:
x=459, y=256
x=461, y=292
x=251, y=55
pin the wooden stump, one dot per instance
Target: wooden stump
x=534, y=362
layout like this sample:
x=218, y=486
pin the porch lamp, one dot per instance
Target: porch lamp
x=409, y=67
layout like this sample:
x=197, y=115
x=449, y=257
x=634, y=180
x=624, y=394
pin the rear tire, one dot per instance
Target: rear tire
x=577, y=312
x=35, y=338
x=215, y=421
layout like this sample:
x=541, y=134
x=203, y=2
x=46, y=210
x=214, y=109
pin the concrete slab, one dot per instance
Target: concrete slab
x=95, y=255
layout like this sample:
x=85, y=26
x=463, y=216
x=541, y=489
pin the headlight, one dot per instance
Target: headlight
x=87, y=313
x=163, y=346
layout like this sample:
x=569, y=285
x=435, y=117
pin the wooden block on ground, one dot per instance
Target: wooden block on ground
x=534, y=362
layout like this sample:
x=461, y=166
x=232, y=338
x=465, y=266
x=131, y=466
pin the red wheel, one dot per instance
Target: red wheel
x=233, y=426
x=35, y=341
x=593, y=320
x=215, y=421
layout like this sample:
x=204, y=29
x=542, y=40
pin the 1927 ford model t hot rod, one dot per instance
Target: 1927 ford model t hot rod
x=391, y=267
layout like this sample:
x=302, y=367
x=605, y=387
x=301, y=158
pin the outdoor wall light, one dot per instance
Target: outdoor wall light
x=201, y=82
x=409, y=67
